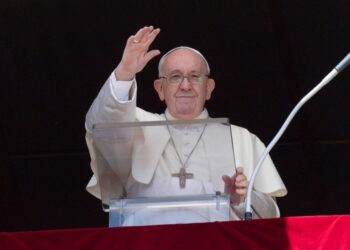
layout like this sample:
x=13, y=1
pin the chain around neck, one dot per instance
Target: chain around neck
x=184, y=164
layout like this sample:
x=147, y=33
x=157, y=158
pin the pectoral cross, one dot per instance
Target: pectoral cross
x=183, y=176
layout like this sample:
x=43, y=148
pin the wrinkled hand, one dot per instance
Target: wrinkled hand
x=236, y=186
x=136, y=54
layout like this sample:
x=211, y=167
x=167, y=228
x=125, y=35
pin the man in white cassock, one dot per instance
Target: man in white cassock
x=185, y=85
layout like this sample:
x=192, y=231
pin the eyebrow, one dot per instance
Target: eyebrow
x=179, y=71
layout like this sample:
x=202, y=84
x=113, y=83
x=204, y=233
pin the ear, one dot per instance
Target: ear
x=210, y=88
x=158, y=86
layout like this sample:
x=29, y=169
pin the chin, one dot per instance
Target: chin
x=187, y=114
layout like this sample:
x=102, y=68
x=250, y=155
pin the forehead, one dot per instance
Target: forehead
x=183, y=60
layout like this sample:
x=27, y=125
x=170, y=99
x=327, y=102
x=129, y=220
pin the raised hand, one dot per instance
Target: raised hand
x=236, y=186
x=136, y=54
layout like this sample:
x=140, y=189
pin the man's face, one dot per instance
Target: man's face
x=185, y=100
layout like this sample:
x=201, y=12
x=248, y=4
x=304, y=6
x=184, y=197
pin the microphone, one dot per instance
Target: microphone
x=248, y=215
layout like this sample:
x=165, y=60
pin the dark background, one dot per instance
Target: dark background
x=265, y=55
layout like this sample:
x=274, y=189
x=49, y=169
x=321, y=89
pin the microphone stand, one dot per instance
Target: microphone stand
x=248, y=215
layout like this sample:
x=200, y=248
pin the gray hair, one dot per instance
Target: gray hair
x=161, y=61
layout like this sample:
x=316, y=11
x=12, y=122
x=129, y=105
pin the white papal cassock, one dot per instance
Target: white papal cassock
x=149, y=173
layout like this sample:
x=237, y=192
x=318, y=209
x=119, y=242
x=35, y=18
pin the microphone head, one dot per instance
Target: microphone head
x=343, y=64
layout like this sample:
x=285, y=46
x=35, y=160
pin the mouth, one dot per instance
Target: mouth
x=185, y=96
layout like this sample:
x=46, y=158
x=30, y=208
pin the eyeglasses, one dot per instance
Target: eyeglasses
x=194, y=78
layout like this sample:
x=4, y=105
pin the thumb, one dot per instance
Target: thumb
x=228, y=183
x=226, y=179
x=150, y=55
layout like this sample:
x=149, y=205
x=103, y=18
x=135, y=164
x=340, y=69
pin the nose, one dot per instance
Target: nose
x=185, y=85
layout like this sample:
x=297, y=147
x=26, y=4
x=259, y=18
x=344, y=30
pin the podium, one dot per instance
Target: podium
x=125, y=151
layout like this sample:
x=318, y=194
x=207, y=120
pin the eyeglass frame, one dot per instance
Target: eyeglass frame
x=188, y=77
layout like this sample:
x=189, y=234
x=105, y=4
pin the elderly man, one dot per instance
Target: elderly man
x=184, y=84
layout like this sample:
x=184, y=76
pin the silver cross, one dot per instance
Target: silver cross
x=182, y=177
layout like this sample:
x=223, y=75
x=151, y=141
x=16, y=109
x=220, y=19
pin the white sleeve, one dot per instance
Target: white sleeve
x=116, y=102
x=121, y=89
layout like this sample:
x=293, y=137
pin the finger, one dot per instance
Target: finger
x=239, y=170
x=240, y=178
x=242, y=184
x=151, y=36
x=151, y=54
x=137, y=37
x=145, y=34
x=133, y=40
x=226, y=179
x=241, y=192
x=241, y=187
x=229, y=184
